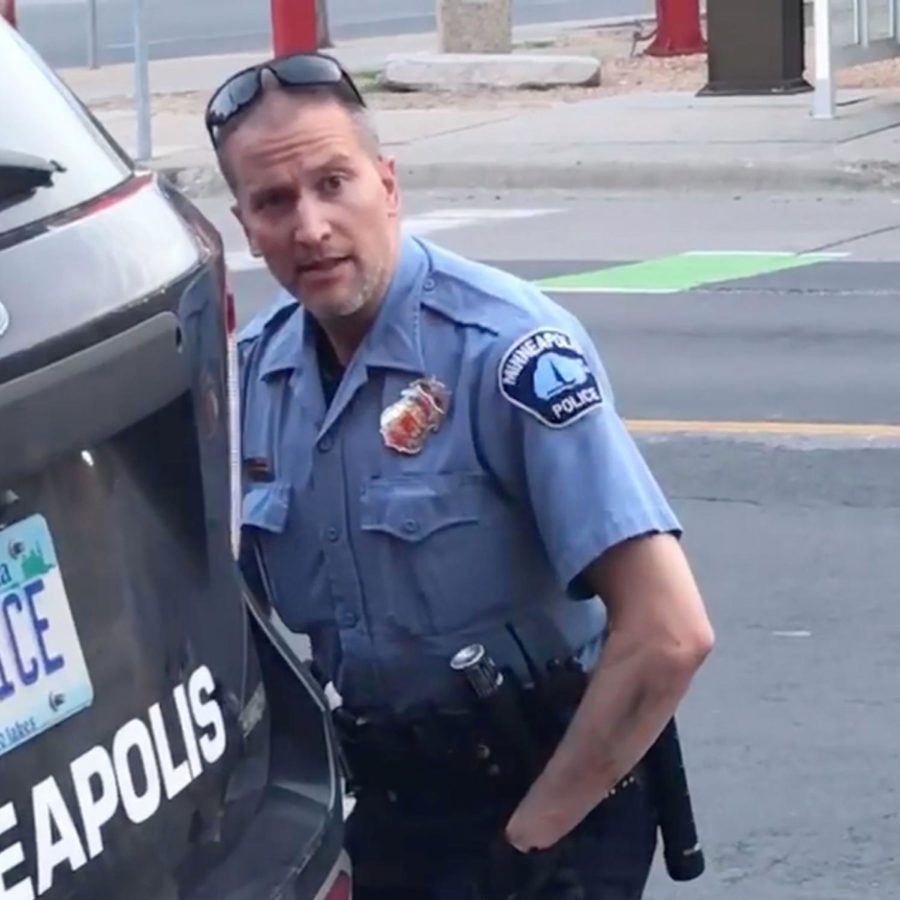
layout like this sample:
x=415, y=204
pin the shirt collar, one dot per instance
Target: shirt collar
x=284, y=350
x=394, y=341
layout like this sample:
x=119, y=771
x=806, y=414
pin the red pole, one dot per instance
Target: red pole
x=294, y=26
x=8, y=11
x=678, y=31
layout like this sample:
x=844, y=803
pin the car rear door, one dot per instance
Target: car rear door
x=139, y=756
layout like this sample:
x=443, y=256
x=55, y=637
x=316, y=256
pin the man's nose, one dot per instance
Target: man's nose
x=312, y=225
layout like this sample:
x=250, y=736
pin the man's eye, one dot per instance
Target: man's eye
x=332, y=184
x=272, y=199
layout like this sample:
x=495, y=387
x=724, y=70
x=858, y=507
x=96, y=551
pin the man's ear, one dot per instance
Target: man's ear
x=388, y=169
x=236, y=212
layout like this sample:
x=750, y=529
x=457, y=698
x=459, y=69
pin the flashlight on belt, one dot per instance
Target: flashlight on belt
x=498, y=698
x=508, y=874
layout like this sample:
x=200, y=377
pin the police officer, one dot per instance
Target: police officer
x=433, y=457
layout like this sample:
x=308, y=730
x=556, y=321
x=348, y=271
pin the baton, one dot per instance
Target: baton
x=682, y=851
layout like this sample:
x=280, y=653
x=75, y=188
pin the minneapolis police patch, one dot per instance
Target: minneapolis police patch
x=547, y=374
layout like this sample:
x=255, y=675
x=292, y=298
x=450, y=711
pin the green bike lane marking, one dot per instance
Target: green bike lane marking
x=682, y=272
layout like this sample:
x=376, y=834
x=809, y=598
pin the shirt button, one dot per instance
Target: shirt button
x=347, y=619
x=325, y=444
x=410, y=526
x=333, y=534
x=429, y=284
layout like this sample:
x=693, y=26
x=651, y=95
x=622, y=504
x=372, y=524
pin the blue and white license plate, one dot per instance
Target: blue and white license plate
x=43, y=676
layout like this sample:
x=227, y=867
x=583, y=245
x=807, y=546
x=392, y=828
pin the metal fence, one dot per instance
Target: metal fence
x=848, y=33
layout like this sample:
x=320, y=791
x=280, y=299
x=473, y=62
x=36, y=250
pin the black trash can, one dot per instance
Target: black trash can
x=755, y=47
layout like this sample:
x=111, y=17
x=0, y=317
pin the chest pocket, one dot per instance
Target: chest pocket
x=265, y=515
x=430, y=559
x=289, y=548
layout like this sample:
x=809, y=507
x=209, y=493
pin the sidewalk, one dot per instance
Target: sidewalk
x=643, y=128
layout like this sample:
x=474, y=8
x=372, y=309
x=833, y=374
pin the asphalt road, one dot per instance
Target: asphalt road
x=792, y=728
x=59, y=28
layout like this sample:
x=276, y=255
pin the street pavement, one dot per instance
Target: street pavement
x=768, y=408
x=59, y=28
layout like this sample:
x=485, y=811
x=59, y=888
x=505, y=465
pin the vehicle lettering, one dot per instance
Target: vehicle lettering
x=187, y=730
x=12, y=857
x=132, y=776
x=51, y=812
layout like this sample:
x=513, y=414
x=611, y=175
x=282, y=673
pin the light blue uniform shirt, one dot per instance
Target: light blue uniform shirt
x=393, y=561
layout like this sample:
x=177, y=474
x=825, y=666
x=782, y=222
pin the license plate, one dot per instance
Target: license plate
x=43, y=676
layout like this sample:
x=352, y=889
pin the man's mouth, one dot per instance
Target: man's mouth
x=321, y=266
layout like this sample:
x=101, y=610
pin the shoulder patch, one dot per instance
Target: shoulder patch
x=547, y=374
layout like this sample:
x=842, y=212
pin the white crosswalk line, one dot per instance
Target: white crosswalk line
x=465, y=217
x=421, y=225
x=243, y=261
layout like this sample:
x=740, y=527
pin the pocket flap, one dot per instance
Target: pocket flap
x=414, y=508
x=266, y=506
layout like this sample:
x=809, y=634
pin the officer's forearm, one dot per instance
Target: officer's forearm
x=633, y=694
x=658, y=639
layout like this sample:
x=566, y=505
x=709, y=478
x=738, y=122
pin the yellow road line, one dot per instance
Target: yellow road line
x=799, y=429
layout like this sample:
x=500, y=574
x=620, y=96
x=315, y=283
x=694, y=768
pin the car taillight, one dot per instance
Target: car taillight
x=234, y=420
x=341, y=889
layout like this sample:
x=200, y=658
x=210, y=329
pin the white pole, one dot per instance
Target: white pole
x=92, y=34
x=142, y=85
x=823, y=97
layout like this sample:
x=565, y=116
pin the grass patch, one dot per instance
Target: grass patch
x=537, y=45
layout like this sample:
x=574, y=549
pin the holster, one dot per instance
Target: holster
x=435, y=764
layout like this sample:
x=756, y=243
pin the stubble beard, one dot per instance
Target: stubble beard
x=363, y=295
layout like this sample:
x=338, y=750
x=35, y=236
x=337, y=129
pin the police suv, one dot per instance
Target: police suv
x=157, y=739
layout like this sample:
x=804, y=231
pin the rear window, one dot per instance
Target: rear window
x=39, y=118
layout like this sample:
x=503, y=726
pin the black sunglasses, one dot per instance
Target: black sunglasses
x=300, y=70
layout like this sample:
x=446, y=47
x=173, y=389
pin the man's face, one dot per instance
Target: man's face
x=315, y=202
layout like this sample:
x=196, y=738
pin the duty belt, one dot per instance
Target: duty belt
x=443, y=762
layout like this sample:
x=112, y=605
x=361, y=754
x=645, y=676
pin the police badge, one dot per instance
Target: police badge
x=420, y=410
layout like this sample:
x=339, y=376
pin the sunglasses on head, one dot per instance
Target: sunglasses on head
x=301, y=70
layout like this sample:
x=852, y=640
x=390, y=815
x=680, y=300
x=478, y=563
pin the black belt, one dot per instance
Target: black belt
x=438, y=759
x=437, y=764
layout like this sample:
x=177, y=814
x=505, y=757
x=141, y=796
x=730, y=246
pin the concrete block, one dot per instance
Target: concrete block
x=474, y=26
x=455, y=71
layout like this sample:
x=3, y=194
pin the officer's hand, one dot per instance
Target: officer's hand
x=512, y=875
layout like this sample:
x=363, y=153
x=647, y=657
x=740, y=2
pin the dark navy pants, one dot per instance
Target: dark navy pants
x=397, y=855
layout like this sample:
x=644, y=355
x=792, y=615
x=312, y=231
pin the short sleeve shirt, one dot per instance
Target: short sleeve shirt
x=468, y=467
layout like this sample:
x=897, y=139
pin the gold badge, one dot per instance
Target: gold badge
x=420, y=410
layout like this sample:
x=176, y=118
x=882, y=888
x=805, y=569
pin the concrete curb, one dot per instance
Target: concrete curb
x=668, y=175
x=195, y=181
